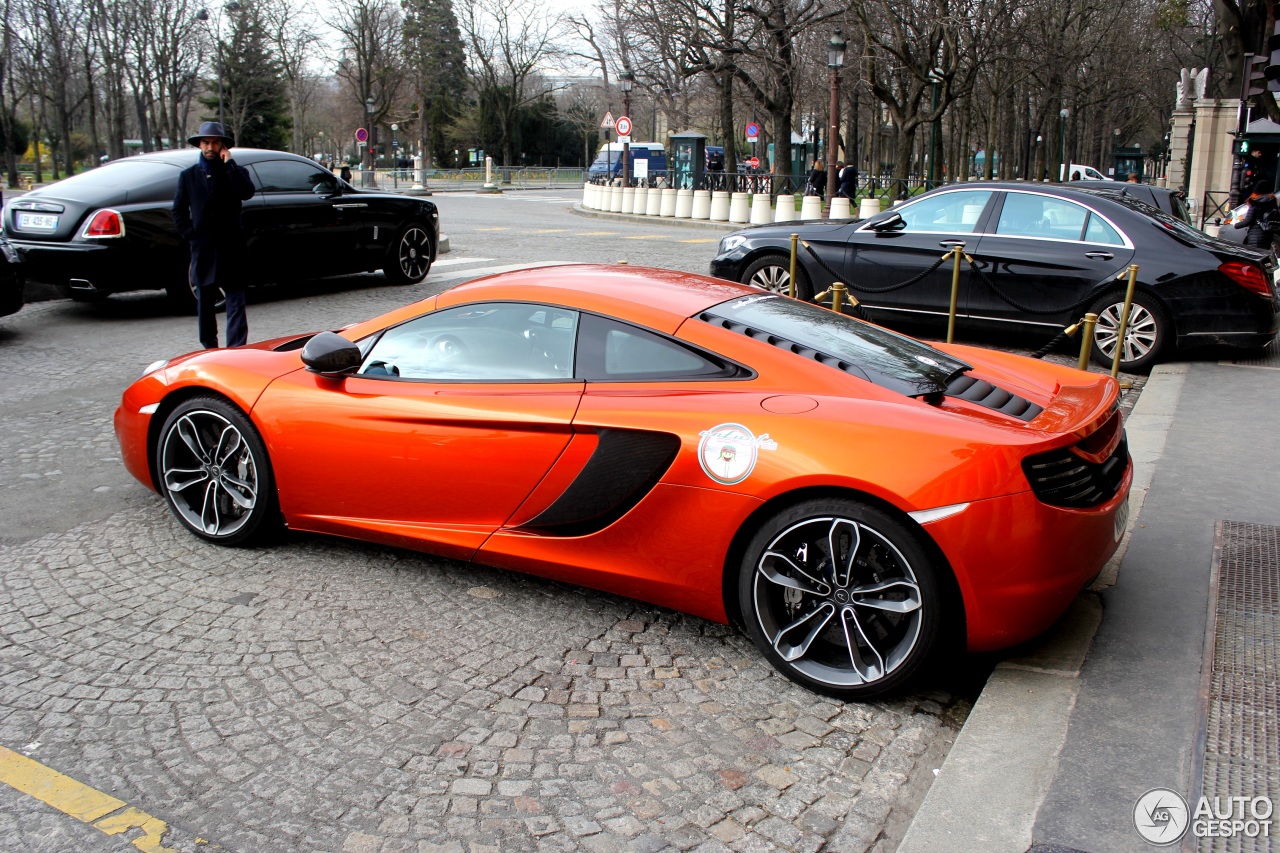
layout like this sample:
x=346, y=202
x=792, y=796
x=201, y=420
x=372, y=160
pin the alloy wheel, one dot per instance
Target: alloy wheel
x=1141, y=336
x=414, y=253
x=209, y=473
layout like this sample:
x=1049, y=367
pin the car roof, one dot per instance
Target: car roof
x=660, y=299
x=186, y=156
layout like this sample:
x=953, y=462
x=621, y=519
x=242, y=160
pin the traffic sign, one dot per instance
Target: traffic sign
x=754, y=163
x=361, y=134
x=753, y=130
x=608, y=120
x=623, y=126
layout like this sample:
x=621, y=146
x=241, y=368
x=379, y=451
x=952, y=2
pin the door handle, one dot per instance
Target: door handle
x=1099, y=256
x=349, y=206
x=951, y=244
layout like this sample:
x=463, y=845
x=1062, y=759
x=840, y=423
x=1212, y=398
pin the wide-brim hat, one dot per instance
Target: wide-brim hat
x=211, y=128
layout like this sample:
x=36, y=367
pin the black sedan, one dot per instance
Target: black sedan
x=1043, y=256
x=111, y=229
x=11, y=279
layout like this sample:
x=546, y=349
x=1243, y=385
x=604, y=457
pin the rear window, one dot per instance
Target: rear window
x=885, y=358
x=120, y=175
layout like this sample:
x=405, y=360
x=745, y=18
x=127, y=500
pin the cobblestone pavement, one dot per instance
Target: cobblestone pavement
x=324, y=695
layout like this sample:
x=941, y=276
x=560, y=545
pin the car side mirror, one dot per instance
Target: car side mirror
x=894, y=222
x=331, y=355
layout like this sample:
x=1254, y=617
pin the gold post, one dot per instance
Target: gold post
x=1124, y=320
x=958, y=251
x=791, y=282
x=837, y=296
x=1086, y=343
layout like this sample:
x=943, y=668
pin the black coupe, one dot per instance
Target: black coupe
x=111, y=229
x=1042, y=257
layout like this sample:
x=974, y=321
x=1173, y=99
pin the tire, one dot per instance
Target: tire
x=214, y=473
x=815, y=624
x=773, y=272
x=409, y=258
x=1145, y=338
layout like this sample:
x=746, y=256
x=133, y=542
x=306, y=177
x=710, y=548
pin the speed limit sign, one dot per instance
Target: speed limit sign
x=623, y=126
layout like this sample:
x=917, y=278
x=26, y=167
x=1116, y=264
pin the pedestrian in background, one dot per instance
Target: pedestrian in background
x=345, y=174
x=1260, y=216
x=817, y=184
x=1133, y=178
x=206, y=209
x=847, y=175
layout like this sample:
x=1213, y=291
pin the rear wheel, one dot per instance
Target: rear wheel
x=1145, y=337
x=409, y=259
x=841, y=597
x=773, y=272
x=214, y=472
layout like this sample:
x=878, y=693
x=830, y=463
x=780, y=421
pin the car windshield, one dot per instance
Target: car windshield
x=888, y=359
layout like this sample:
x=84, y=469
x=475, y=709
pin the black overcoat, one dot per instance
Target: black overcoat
x=206, y=209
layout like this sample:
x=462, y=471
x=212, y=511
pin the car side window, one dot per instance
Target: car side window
x=1031, y=215
x=1100, y=231
x=484, y=342
x=289, y=176
x=955, y=212
x=609, y=350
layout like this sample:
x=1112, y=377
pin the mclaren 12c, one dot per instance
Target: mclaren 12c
x=855, y=500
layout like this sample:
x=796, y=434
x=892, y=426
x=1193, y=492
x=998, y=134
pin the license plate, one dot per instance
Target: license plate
x=1122, y=518
x=37, y=222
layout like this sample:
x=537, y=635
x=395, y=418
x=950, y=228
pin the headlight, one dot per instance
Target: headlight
x=155, y=365
x=733, y=241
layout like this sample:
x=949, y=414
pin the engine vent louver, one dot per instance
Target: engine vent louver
x=966, y=387
x=1061, y=478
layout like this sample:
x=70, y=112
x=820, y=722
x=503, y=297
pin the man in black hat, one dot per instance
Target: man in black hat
x=1260, y=217
x=207, y=211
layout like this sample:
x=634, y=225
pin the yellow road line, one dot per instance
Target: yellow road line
x=88, y=805
x=703, y=240
x=499, y=228
x=597, y=233
x=549, y=231
x=649, y=237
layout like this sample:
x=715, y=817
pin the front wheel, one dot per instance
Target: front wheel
x=1145, y=337
x=214, y=472
x=409, y=259
x=773, y=272
x=841, y=598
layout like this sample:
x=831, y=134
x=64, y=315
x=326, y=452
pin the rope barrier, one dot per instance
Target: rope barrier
x=838, y=277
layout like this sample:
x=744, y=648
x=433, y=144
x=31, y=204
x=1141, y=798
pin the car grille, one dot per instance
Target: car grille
x=985, y=394
x=1064, y=477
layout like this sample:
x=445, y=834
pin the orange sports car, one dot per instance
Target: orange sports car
x=854, y=499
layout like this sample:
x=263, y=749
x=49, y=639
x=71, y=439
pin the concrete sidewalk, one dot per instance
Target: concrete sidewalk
x=1070, y=732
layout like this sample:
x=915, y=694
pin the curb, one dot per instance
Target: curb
x=995, y=778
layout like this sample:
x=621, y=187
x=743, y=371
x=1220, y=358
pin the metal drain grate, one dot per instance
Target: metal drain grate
x=1242, y=740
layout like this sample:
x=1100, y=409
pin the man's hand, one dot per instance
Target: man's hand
x=225, y=154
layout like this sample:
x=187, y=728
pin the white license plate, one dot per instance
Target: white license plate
x=1122, y=518
x=37, y=222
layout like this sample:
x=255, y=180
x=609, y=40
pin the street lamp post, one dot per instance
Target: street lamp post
x=371, y=175
x=835, y=59
x=216, y=32
x=935, y=77
x=1062, y=143
x=626, y=80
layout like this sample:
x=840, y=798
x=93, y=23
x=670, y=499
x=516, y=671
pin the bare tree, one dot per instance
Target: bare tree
x=291, y=27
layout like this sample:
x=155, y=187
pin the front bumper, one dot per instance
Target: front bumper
x=1020, y=562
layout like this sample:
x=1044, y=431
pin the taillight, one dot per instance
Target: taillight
x=105, y=224
x=1248, y=276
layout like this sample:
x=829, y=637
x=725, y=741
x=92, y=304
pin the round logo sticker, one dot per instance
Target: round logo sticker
x=728, y=452
x=1161, y=817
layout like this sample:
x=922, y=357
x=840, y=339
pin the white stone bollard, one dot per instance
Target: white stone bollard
x=811, y=207
x=684, y=204
x=586, y=194
x=761, y=209
x=628, y=199
x=869, y=206
x=670, y=196
x=605, y=195
x=654, y=205
x=701, y=205
x=639, y=200
x=615, y=200
x=719, y=211
x=786, y=209
x=840, y=209
x=739, y=208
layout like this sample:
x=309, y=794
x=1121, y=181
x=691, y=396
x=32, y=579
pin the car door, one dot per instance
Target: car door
x=303, y=230
x=886, y=255
x=452, y=420
x=1043, y=252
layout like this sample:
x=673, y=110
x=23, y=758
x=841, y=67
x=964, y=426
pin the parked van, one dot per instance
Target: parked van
x=1085, y=173
x=609, y=158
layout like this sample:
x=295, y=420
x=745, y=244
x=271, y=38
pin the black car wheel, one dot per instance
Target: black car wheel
x=773, y=272
x=410, y=258
x=1145, y=337
x=841, y=598
x=214, y=472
